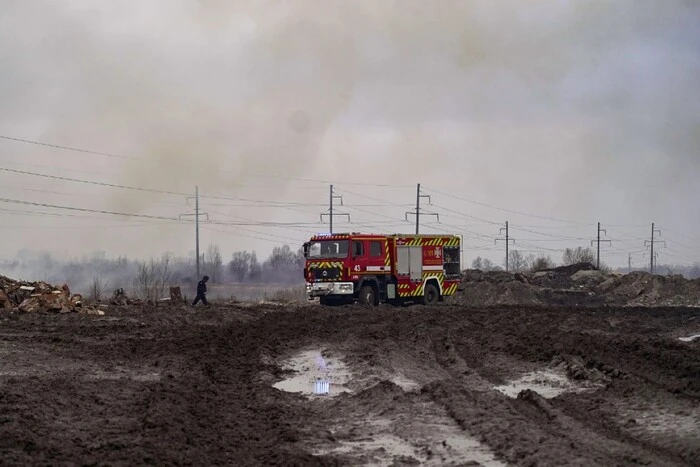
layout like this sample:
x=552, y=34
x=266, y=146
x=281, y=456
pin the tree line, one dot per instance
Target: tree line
x=519, y=262
x=149, y=277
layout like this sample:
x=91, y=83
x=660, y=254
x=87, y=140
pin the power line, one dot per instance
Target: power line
x=65, y=148
x=99, y=211
x=137, y=159
x=89, y=182
x=467, y=216
x=507, y=210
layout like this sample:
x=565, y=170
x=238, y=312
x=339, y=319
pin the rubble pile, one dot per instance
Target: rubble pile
x=576, y=285
x=31, y=297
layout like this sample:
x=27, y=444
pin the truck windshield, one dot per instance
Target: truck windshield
x=329, y=249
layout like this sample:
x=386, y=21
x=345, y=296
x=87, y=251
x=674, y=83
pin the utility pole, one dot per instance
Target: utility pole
x=330, y=213
x=654, y=258
x=196, y=224
x=629, y=263
x=598, y=241
x=196, y=216
x=507, y=240
x=417, y=212
x=651, y=245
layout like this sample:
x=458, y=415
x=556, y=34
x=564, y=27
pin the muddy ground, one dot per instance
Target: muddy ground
x=430, y=386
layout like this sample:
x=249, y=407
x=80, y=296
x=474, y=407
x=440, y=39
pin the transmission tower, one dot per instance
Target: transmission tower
x=196, y=216
x=598, y=242
x=651, y=243
x=417, y=212
x=331, y=213
x=507, y=239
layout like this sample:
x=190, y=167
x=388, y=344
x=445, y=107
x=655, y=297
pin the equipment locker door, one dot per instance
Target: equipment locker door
x=416, y=261
x=403, y=262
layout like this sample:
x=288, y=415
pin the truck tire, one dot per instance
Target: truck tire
x=367, y=296
x=431, y=295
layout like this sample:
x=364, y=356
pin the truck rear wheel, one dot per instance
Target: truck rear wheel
x=430, y=295
x=367, y=296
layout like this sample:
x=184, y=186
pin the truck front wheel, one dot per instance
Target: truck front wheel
x=431, y=295
x=367, y=296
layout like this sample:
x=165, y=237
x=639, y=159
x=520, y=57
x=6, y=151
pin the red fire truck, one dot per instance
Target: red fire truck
x=372, y=269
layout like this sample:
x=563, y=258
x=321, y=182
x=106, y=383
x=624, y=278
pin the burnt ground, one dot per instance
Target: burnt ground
x=194, y=387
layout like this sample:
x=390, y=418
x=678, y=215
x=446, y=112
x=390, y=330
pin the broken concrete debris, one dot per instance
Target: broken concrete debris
x=32, y=297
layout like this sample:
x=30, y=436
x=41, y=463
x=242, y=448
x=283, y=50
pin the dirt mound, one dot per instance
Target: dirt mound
x=576, y=285
x=641, y=289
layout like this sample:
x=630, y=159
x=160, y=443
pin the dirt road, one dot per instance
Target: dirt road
x=430, y=386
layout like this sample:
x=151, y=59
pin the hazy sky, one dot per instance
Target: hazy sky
x=550, y=114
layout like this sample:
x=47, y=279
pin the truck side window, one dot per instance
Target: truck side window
x=375, y=249
x=357, y=249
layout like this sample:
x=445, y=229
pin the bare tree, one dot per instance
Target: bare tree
x=540, y=263
x=144, y=281
x=163, y=275
x=239, y=266
x=694, y=272
x=484, y=264
x=97, y=288
x=578, y=255
x=152, y=278
x=254, y=267
x=213, y=263
x=517, y=261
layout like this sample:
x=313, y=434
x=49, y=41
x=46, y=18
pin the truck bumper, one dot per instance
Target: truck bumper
x=318, y=289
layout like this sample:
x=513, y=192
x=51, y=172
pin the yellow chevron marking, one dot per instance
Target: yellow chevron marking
x=326, y=264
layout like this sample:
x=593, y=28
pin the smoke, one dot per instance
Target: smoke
x=529, y=104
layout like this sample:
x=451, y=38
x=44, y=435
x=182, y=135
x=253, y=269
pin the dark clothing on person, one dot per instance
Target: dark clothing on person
x=199, y=297
x=201, y=293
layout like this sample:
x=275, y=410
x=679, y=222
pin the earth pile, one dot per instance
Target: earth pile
x=576, y=285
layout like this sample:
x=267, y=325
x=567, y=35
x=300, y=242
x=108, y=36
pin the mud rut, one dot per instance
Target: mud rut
x=183, y=387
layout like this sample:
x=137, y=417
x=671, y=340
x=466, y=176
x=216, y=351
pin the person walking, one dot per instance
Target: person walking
x=202, y=292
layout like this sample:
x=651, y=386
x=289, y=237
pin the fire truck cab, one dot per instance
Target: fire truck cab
x=373, y=269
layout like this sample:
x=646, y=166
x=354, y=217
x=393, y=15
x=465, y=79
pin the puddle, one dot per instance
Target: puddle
x=548, y=384
x=384, y=445
x=316, y=375
x=427, y=438
x=689, y=339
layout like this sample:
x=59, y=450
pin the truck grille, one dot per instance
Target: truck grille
x=327, y=274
